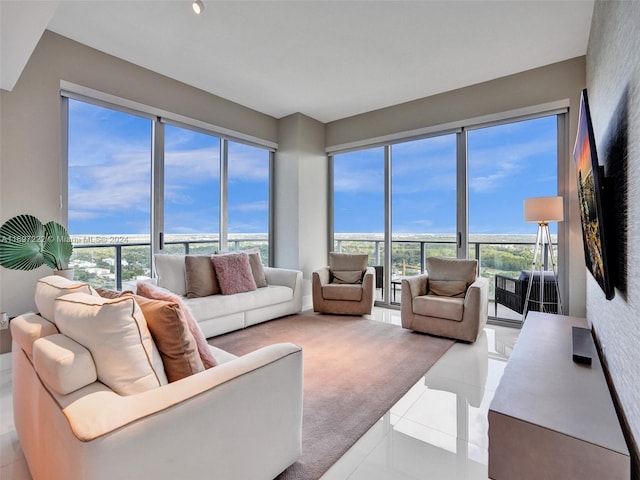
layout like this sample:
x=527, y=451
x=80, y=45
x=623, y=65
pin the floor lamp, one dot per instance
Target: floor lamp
x=542, y=210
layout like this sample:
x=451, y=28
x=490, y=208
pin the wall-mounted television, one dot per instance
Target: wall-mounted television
x=591, y=197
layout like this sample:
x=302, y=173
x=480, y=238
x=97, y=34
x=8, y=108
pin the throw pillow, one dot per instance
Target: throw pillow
x=234, y=273
x=170, y=331
x=170, y=272
x=106, y=293
x=150, y=290
x=54, y=286
x=347, y=276
x=201, y=278
x=256, y=268
x=448, y=288
x=116, y=334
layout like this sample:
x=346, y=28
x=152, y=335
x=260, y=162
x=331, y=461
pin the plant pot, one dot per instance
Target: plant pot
x=66, y=273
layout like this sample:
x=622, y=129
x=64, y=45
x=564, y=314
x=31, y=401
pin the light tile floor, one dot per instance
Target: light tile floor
x=437, y=431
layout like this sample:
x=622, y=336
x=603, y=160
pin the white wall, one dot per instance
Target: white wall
x=613, y=83
x=30, y=122
x=301, y=228
x=553, y=83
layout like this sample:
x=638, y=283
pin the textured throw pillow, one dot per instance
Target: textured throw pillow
x=448, y=288
x=116, y=334
x=234, y=273
x=150, y=290
x=170, y=331
x=201, y=278
x=54, y=286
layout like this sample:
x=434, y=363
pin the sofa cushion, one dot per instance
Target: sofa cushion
x=224, y=305
x=448, y=308
x=342, y=292
x=54, y=286
x=116, y=334
x=347, y=276
x=448, y=288
x=234, y=273
x=170, y=272
x=347, y=267
x=170, y=331
x=150, y=290
x=63, y=364
x=200, y=276
x=27, y=328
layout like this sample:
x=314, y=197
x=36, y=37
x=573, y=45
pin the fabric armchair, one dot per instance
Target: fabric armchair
x=344, y=287
x=450, y=300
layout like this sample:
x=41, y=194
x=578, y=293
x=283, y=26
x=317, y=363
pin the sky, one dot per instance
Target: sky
x=110, y=179
x=506, y=163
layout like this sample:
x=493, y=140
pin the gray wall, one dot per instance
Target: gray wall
x=30, y=152
x=553, y=83
x=613, y=82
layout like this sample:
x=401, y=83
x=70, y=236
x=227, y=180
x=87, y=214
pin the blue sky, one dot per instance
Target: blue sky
x=507, y=164
x=110, y=179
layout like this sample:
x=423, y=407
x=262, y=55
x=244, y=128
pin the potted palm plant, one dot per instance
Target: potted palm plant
x=26, y=244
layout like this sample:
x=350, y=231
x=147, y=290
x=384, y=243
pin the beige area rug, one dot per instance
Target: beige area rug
x=354, y=371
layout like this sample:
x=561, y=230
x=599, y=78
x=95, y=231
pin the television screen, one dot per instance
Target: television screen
x=591, y=196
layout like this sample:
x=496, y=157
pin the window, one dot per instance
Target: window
x=134, y=177
x=448, y=194
x=191, y=191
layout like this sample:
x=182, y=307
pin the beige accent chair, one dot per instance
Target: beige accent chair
x=344, y=287
x=450, y=300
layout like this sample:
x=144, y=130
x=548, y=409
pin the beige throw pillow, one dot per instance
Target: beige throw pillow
x=447, y=288
x=54, y=286
x=116, y=334
x=201, y=278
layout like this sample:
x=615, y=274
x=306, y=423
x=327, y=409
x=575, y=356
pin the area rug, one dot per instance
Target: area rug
x=355, y=370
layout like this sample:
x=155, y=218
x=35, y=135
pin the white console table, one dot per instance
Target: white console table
x=552, y=418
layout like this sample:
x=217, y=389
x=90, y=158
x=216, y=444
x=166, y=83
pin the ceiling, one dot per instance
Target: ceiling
x=325, y=59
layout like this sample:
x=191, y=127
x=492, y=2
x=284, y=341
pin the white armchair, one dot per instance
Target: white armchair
x=450, y=300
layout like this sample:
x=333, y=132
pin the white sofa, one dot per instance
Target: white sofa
x=218, y=314
x=227, y=422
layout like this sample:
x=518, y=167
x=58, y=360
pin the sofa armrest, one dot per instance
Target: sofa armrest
x=414, y=287
x=95, y=411
x=283, y=276
x=321, y=276
x=476, y=301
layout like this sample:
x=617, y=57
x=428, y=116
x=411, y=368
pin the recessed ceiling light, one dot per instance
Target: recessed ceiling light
x=198, y=7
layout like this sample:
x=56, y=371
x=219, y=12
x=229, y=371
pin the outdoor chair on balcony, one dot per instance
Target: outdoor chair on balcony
x=344, y=287
x=511, y=292
x=450, y=300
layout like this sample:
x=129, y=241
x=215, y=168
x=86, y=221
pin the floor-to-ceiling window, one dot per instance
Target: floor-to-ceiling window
x=191, y=190
x=448, y=194
x=508, y=163
x=423, y=205
x=109, y=192
x=248, y=198
x=137, y=183
x=359, y=205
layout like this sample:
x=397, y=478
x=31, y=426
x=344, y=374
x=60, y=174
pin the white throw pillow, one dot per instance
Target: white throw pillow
x=54, y=286
x=171, y=272
x=116, y=334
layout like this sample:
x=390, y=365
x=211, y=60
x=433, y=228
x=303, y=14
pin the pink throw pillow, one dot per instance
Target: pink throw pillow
x=150, y=290
x=234, y=273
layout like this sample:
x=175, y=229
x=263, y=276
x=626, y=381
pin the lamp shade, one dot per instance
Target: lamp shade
x=543, y=209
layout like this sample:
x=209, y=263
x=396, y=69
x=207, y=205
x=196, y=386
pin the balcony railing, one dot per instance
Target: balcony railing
x=112, y=265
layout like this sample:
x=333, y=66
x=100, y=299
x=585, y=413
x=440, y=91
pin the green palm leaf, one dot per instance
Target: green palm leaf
x=57, y=246
x=22, y=243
